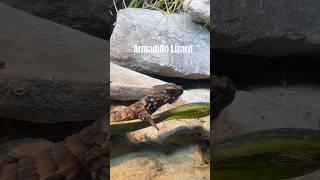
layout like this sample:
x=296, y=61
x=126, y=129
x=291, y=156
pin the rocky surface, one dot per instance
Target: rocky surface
x=196, y=95
x=312, y=176
x=144, y=27
x=185, y=163
x=267, y=27
x=129, y=85
x=89, y=16
x=52, y=73
x=269, y=108
x=198, y=9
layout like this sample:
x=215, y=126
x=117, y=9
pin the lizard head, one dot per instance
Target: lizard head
x=170, y=91
x=223, y=93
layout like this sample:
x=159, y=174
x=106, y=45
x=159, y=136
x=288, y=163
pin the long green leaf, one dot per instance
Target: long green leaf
x=270, y=154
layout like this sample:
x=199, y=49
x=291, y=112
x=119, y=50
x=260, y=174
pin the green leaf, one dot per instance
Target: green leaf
x=270, y=154
x=187, y=111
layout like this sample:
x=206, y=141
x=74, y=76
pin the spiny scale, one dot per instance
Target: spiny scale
x=66, y=160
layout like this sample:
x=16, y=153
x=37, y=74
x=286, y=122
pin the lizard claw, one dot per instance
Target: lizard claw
x=154, y=125
x=147, y=118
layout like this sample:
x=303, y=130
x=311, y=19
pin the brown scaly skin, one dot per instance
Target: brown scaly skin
x=223, y=93
x=88, y=151
x=79, y=154
x=159, y=95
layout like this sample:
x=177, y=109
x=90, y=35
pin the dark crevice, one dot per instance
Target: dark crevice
x=255, y=71
x=54, y=132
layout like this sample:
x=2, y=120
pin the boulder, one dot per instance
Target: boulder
x=89, y=16
x=313, y=176
x=266, y=27
x=196, y=95
x=129, y=85
x=198, y=9
x=269, y=108
x=52, y=73
x=136, y=28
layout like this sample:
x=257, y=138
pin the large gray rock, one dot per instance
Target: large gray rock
x=269, y=108
x=198, y=9
x=52, y=73
x=89, y=16
x=129, y=85
x=266, y=27
x=143, y=27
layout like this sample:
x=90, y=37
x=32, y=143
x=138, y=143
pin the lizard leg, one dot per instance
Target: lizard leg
x=145, y=116
x=122, y=114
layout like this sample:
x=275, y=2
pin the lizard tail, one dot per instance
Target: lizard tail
x=78, y=154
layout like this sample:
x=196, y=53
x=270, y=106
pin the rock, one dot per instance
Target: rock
x=198, y=9
x=313, y=176
x=196, y=95
x=129, y=85
x=266, y=27
x=89, y=16
x=269, y=108
x=178, y=131
x=52, y=73
x=143, y=27
x=185, y=163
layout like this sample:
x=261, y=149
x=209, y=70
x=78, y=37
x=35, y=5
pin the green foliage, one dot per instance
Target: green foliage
x=135, y=3
x=166, y=6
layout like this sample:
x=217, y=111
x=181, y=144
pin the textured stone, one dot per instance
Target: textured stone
x=89, y=16
x=52, y=73
x=313, y=176
x=269, y=108
x=266, y=27
x=184, y=163
x=143, y=27
x=129, y=85
x=198, y=9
